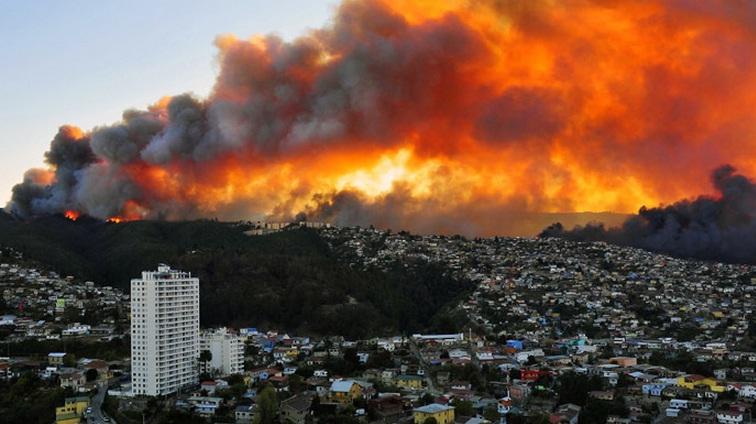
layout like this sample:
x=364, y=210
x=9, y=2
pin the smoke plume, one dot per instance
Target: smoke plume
x=454, y=116
x=717, y=228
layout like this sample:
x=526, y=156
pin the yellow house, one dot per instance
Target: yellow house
x=442, y=413
x=693, y=381
x=69, y=418
x=72, y=410
x=345, y=391
x=409, y=382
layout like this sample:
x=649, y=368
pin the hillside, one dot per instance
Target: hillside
x=290, y=280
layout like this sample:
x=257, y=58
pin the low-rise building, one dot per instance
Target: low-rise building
x=295, y=409
x=409, y=382
x=443, y=414
x=345, y=391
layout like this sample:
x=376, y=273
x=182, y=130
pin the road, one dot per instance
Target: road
x=98, y=416
x=430, y=386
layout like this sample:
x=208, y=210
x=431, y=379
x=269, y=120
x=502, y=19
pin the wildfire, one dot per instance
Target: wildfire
x=114, y=220
x=72, y=215
x=452, y=116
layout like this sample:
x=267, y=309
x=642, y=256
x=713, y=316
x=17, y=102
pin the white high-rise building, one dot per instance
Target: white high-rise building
x=227, y=352
x=164, y=331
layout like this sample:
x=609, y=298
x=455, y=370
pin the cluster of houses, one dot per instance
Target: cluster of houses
x=423, y=376
x=414, y=378
x=550, y=288
x=42, y=305
x=660, y=339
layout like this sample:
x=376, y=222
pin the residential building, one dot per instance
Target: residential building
x=345, y=391
x=409, y=382
x=56, y=358
x=244, y=414
x=226, y=349
x=72, y=410
x=693, y=381
x=567, y=413
x=732, y=416
x=295, y=409
x=164, y=331
x=205, y=405
x=443, y=414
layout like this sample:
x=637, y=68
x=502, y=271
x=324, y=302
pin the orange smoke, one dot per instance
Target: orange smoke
x=451, y=116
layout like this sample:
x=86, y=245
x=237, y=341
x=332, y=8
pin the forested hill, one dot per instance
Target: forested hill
x=289, y=280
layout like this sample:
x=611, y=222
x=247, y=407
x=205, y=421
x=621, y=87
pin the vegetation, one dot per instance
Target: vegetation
x=115, y=349
x=290, y=279
x=596, y=411
x=574, y=388
x=29, y=399
x=267, y=406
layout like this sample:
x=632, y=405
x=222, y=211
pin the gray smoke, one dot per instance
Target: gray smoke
x=122, y=142
x=69, y=153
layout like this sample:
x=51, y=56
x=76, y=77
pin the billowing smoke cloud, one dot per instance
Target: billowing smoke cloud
x=716, y=228
x=455, y=116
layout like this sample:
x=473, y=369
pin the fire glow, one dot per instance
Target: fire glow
x=448, y=116
x=72, y=215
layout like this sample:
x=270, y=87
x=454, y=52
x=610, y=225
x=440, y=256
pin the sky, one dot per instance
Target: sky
x=84, y=62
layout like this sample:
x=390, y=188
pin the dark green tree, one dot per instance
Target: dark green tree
x=463, y=408
x=267, y=406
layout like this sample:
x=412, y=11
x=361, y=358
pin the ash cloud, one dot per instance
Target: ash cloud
x=721, y=228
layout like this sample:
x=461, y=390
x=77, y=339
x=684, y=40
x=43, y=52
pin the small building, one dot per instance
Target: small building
x=72, y=410
x=205, y=405
x=387, y=409
x=345, y=391
x=567, y=413
x=73, y=379
x=443, y=414
x=56, y=359
x=731, y=416
x=244, y=414
x=702, y=416
x=409, y=382
x=296, y=409
x=602, y=395
x=654, y=389
x=693, y=381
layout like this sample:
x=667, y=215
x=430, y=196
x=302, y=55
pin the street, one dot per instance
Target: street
x=431, y=387
x=97, y=416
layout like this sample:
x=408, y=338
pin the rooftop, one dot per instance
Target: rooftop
x=433, y=408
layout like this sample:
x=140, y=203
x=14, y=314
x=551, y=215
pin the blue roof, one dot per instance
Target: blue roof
x=342, y=386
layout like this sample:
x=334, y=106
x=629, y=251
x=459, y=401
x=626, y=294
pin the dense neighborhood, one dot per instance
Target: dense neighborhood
x=553, y=332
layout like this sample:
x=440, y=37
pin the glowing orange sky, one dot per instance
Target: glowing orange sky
x=441, y=111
